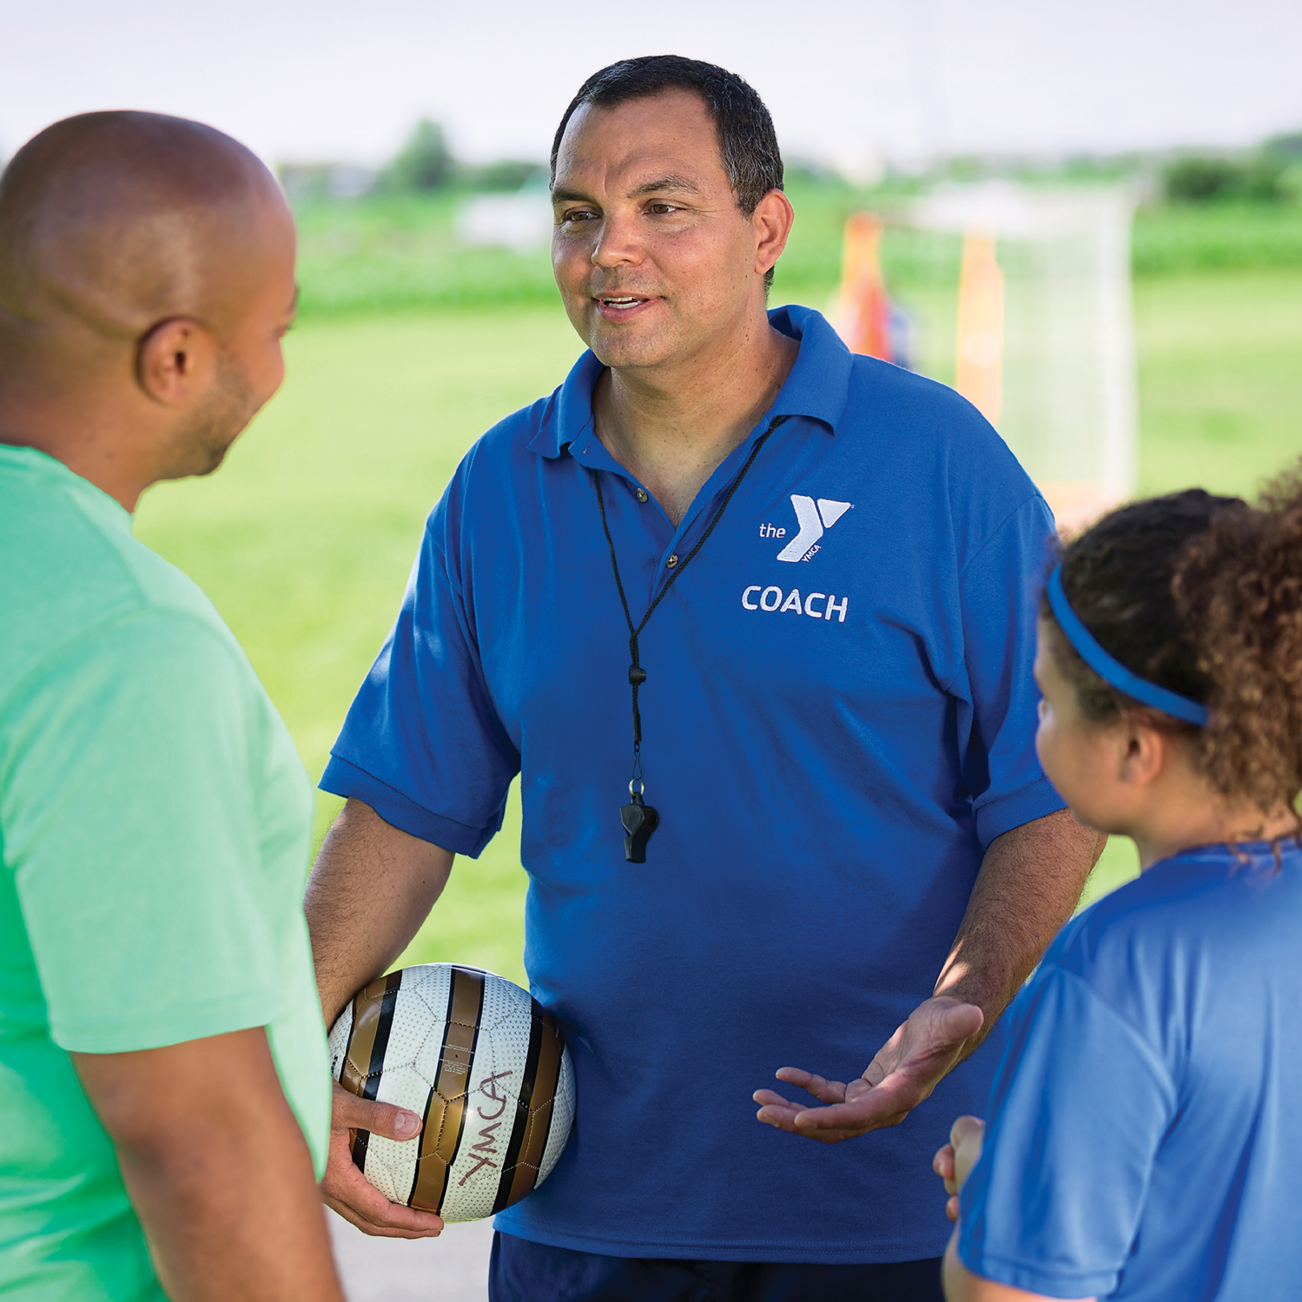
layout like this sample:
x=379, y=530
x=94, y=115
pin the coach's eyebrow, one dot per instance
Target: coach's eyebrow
x=666, y=183
x=661, y=184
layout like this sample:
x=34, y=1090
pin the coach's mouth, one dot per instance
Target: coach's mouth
x=621, y=307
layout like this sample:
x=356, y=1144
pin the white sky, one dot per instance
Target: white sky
x=323, y=79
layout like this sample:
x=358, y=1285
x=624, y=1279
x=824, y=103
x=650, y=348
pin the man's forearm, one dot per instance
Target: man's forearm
x=1030, y=881
x=1028, y=885
x=217, y=1169
x=371, y=888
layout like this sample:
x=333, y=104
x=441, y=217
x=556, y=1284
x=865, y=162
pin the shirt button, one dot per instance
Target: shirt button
x=672, y=561
x=641, y=494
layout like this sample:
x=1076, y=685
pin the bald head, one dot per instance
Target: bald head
x=146, y=281
x=112, y=222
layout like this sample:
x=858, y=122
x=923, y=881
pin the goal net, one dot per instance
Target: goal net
x=1019, y=297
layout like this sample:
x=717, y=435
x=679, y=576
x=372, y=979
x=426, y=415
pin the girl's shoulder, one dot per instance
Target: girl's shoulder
x=1209, y=918
x=1196, y=890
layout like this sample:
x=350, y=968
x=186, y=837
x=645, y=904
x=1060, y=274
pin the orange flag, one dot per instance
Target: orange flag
x=981, y=326
x=865, y=309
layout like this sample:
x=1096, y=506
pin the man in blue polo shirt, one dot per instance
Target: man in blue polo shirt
x=750, y=616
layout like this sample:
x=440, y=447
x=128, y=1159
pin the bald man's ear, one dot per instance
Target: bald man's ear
x=176, y=361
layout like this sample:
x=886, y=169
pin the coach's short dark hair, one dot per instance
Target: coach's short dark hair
x=748, y=145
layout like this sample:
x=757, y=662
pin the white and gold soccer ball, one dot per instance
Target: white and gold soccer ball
x=485, y=1066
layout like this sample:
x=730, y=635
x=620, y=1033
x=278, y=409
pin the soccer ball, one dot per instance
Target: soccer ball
x=481, y=1062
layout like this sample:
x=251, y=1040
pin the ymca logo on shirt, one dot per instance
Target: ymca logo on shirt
x=813, y=519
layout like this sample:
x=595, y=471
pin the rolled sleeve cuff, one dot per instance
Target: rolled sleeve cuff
x=1002, y=814
x=344, y=779
x=1035, y=1278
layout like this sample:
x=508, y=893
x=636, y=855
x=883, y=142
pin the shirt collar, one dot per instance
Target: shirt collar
x=818, y=385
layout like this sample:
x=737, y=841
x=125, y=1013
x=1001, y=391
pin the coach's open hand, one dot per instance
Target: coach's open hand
x=349, y=1192
x=904, y=1072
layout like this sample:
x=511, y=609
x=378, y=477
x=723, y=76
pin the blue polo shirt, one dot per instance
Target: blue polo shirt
x=1143, y=1133
x=837, y=720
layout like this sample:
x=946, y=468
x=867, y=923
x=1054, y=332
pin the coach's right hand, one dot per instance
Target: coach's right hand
x=346, y=1189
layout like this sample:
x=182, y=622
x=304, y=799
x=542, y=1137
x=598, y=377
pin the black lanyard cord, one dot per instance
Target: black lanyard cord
x=636, y=674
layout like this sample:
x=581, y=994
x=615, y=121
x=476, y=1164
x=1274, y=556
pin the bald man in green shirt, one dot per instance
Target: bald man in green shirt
x=164, y=1082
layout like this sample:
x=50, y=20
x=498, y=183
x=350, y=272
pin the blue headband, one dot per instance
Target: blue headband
x=1113, y=671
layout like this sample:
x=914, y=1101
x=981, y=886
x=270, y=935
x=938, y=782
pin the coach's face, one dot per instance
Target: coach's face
x=654, y=259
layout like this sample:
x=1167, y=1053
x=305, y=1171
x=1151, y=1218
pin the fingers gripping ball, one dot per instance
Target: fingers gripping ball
x=481, y=1062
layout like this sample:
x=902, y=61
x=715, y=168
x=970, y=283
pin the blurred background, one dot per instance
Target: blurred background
x=1088, y=218
x=1130, y=172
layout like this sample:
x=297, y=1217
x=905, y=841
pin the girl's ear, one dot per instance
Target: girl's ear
x=1147, y=752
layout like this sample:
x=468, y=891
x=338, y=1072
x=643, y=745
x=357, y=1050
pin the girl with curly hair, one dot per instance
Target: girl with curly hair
x=1146, y=1122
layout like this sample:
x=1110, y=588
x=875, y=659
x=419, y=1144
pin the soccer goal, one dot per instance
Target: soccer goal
x=1019, y=297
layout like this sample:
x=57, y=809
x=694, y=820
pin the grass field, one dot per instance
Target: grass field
x=304, y=539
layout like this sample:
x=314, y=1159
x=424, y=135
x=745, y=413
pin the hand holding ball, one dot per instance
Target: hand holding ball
x=481, y=1062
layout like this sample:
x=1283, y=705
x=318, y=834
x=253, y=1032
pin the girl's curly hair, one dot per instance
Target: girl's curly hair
x=1202, y=595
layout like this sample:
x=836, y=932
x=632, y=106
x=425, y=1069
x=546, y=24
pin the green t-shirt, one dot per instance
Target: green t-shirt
x=154, y=829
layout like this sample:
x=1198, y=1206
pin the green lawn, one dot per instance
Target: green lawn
x=1220, y=387
x=304, y=539
x=1220, y=370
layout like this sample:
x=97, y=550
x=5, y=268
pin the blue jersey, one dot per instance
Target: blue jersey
x=837, y=720
x=1143, y=1133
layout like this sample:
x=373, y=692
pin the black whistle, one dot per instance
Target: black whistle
x=639, y=820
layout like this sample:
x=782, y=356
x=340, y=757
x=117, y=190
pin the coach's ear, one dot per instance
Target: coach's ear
x=771, y=222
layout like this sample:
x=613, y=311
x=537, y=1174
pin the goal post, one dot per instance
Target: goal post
x=1019, y=296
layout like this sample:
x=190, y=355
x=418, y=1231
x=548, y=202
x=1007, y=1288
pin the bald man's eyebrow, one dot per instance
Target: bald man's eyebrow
x=562, y=195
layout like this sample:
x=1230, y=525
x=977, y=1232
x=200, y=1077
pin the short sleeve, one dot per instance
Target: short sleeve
x=1079, y=1108
x=131, y=828
x=422, y=743
x=998, y=590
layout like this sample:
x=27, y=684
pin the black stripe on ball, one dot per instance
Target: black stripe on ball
x=521, y=1127
x=378, y=1049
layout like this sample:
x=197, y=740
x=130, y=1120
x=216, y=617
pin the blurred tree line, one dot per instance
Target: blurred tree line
x=425, y=162
x=424, y=165
x=1271, y=174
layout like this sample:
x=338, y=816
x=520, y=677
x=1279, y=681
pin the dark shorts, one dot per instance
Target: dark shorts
x=522, y=1271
